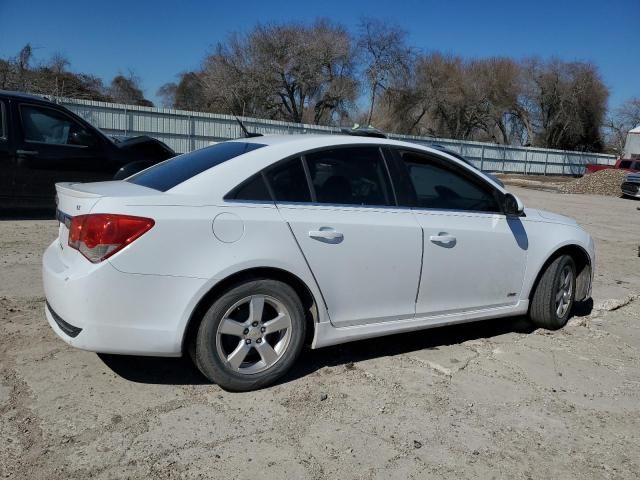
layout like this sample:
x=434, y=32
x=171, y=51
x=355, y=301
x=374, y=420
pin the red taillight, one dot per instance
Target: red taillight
x=100, y=235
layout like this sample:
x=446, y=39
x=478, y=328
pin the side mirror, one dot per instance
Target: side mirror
x=512, y=205
x=83, y=138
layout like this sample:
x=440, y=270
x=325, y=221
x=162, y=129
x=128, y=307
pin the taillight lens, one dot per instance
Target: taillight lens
x=100, y=235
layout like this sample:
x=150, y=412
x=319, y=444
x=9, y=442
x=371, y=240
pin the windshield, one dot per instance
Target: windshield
x=170, y=173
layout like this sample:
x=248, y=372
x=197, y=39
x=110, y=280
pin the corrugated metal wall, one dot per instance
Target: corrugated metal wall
x=185, y=131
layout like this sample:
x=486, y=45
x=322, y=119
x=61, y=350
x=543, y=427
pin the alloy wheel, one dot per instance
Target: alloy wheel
x=565, y=291
x=254, y=334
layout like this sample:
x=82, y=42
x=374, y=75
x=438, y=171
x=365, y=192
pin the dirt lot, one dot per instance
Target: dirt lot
x=491, y=400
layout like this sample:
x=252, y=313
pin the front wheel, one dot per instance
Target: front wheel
x=251, y=335
x=554, y=295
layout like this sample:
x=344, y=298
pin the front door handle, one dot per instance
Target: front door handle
x=27, y=153
x=444, y=239
x=327, y=234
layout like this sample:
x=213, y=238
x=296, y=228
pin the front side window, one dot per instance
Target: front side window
x=350, y=176
x=45, y=125
x=288, y=182
x=439, y=187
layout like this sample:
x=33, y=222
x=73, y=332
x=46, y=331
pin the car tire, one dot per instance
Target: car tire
x=554, y=295
x=238, y=346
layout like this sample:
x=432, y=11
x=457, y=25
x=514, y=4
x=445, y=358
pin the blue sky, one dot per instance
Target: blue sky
x=159, y=39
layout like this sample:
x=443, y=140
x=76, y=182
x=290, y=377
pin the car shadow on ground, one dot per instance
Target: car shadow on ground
x=181, y=371
x=403, y=343
x=154, y=370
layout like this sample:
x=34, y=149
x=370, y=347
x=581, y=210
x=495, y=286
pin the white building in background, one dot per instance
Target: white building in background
x=632, y=145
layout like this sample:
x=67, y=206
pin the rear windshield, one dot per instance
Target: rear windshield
x=167, y=175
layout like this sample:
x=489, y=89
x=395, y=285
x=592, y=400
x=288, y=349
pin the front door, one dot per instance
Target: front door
x=363, y=251
x=53, y=147
x=6, y=157
x=474, y=256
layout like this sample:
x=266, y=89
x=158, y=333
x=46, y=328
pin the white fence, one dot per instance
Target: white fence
x=185, y=131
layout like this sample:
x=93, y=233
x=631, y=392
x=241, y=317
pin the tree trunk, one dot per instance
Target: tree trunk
x=373, y=101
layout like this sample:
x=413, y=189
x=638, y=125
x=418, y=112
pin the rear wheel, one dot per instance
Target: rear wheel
x=554, y=295
x=251, y=335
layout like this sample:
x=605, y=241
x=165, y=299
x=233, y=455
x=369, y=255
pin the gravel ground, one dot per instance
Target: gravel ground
x=490, y=400
x=604, y=182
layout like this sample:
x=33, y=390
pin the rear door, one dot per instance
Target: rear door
x=52, y=147
x=474, y=256
x=363, y=251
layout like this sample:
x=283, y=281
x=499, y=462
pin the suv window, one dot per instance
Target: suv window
x=3, y=132
x=351, y=176
x=174, y=171
x=442, y=188
x=625, y=164
x=45, y=125
x=288, y=182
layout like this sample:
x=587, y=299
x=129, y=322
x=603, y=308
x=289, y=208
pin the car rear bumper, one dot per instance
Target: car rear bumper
x=108, y=311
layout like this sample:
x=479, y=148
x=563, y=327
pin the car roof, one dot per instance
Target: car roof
x=226, y=175
x=24, y=96
x=312, y=140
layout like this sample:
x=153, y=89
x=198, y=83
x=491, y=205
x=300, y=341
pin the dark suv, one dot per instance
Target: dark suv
x=42, y=143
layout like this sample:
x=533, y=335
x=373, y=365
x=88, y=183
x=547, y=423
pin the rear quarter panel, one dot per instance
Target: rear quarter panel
x=182, y=243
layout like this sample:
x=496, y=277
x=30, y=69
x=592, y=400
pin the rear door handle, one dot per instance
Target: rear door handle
x=443, y=238
x=326, y=234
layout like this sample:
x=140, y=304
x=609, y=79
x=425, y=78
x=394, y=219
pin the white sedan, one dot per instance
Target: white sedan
x=242, y=252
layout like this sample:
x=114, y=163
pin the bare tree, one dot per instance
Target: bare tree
x=629, y=112
x=187, y=94
x=619, y=122
x=385, y=55
x=291, y=71
x=127, y=90
x=167, y=93
x=58, y=65
x=567, y=103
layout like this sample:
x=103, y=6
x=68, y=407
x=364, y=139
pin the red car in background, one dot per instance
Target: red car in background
x=630, y=158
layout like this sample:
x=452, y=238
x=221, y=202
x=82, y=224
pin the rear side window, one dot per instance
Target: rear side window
x=625, y=164
x=442, y=188
x=288, y=182
x=350, y=176
x=170, y=173
x=254, y=189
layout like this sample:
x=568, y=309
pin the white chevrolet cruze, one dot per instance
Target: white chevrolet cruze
x=242, y=252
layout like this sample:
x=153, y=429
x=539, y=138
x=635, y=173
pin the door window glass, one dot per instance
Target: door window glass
x=44, y=125
x=254, y=189
x=440, y=188
x=289, y=183
x=351, y=176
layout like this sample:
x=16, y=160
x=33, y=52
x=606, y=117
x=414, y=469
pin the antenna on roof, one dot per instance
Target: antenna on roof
x=360, y=131
x=246, y=132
